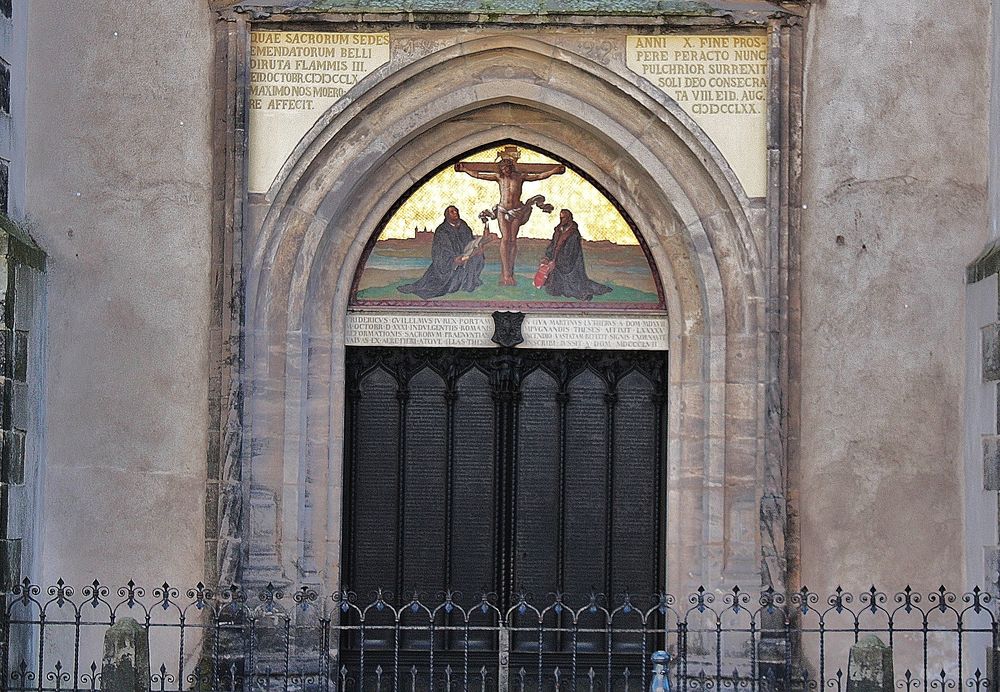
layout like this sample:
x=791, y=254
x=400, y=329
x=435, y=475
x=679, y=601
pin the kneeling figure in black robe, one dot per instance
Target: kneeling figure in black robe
x=451, y=270
x=569, y=275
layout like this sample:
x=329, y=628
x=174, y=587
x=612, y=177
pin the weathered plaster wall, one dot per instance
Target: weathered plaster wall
x=119, y=197
x=994, y=182
x=895, y=169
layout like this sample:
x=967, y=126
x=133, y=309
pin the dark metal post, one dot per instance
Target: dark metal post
x=503, y=660
x=661, y=680
x=788, y=652
x=5, y=639
x=995, y=657
x=682, y=653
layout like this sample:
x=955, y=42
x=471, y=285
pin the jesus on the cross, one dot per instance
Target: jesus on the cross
x=511, y=213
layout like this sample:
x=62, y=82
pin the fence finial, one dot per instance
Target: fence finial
x=660, y=681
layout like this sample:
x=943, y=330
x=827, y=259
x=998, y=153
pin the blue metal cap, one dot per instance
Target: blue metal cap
x=661, y=657
x=660, y=682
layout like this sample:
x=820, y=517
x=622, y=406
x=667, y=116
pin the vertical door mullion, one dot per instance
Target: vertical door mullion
x=402, y=397
x=350, y=499
x=498, y=474
x=658, y=376
x=515, y=412
x=562, y=401
x=451, y=394
x=610, y=400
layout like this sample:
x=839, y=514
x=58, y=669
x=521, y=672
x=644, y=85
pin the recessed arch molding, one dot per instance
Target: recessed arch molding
x=713, y=248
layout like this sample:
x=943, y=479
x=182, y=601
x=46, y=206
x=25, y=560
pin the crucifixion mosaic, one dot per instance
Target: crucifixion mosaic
x=550, y=238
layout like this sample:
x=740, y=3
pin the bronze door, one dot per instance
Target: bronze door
x=514, y=473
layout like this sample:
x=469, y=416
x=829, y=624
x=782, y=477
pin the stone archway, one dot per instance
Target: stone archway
x=706, y=238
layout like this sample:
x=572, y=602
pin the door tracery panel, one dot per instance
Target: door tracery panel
x=504, y=471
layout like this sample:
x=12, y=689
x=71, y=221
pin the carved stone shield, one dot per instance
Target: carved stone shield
x=507, y=328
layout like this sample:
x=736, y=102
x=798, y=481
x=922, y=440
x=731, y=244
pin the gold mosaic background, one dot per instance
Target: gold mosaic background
x=597, y=217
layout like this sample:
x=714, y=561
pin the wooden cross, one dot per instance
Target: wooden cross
x=511, y=213
x=511, y=153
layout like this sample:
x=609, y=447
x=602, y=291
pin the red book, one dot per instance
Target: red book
x=543, y=273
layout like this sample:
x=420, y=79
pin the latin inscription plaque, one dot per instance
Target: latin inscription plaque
x=625, y=332
x=721, y=81
x=294, y=77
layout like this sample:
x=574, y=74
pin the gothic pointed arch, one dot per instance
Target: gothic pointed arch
x=706, y=239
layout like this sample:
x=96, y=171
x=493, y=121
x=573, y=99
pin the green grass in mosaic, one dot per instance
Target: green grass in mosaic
x=525, y=291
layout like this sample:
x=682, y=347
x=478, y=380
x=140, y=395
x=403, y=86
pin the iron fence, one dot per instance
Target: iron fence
x=296, y=639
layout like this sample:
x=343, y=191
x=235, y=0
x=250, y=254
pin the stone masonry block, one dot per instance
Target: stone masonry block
x=20, y=356
x=991, y=462
x=10, y=563
x=25, y=295
x=870, y=666
x=21, y=405
x=13, y=456
x=126, y=657
x=991, y=568
x=20, y=520
x=991, y=352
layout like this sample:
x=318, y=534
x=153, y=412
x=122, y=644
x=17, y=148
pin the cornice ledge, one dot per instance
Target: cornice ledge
x=518, y=12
